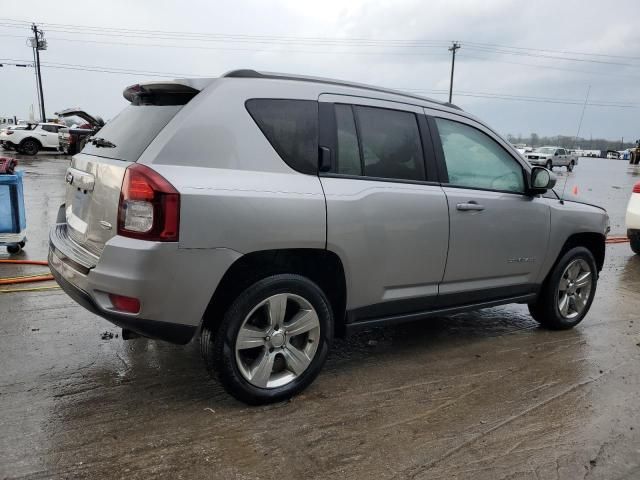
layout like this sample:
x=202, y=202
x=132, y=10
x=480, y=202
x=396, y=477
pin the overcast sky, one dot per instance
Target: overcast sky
x=509, y=48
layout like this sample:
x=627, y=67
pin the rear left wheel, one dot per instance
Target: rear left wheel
x=273, y=340
x=570, y=166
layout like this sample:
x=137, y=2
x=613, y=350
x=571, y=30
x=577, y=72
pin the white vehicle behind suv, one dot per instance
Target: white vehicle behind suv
x=29, y=141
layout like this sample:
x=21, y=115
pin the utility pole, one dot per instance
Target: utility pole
x=39, y=43
x=452, y=49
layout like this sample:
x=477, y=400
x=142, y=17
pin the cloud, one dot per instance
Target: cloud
x=484, y=28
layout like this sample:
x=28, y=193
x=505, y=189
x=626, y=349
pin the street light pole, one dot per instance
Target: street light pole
x=452, y=49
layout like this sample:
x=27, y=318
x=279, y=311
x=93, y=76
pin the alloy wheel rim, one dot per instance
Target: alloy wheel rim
x=277, y=340
x=574, y=288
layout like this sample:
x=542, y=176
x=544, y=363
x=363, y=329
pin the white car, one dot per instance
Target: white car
x=29, y=141
x=633, y=219
x=550, y=157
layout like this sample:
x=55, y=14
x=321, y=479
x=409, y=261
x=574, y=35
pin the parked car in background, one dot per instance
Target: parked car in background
x=632, y=219
x=72, y=138
x=33, y=138
x=550, y=157
x=6, y=137
x=273, y=212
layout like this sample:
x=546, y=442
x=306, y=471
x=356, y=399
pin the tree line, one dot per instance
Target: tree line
x=534, y=140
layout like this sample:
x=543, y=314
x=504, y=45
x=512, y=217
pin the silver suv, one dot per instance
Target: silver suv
x=269, y=213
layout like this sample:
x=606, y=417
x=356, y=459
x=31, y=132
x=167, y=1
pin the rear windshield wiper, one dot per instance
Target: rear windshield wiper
x=101, y=142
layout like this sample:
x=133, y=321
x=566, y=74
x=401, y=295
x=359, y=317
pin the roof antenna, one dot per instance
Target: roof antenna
x=584, y=107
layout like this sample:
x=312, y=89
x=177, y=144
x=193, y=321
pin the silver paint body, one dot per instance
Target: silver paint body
x=396, y=241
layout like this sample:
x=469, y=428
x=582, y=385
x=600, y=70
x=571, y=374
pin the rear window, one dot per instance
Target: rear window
x=291, y=126
x=131, y=131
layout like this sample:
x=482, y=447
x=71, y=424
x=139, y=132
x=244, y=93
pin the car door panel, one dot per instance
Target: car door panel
x=497, y=247
x=391, y=234
x=392, y=238
x=501, y=246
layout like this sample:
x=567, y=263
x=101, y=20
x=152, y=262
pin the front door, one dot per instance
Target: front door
x=498, y=234
x=387, y=222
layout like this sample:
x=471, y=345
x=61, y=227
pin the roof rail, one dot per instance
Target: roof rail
x=249, y=73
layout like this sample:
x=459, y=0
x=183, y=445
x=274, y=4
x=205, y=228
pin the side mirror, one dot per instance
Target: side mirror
x=541, y=180
x=555, y=154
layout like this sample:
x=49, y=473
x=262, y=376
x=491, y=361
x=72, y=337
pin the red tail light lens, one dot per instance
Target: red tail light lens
x=149, y=206
x=124, y=304
x=636, y=188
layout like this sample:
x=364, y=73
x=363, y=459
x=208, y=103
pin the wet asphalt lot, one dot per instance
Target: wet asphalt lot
x=482, y=395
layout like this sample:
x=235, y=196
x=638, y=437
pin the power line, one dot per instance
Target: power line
x=463, y=93
x=286, y=40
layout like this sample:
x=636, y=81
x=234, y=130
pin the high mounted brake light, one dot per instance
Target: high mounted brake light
x=149, y=207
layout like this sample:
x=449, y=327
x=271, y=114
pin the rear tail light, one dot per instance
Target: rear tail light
x=636, y=188
x=124, y=304
x=149, y=206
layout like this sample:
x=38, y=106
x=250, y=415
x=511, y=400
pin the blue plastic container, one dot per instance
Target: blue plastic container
x=12, y=216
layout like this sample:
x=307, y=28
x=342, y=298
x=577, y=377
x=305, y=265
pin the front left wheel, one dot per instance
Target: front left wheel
x=567, y=294
x=273, y=339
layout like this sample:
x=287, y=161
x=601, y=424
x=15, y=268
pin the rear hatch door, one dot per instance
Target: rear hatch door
x=94, y=179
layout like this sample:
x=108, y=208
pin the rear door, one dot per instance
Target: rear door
x=498, y=233
x=48, y=135
x=94, y=179
x=387, y=216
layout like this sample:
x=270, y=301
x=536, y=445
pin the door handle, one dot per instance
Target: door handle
x=469, y=206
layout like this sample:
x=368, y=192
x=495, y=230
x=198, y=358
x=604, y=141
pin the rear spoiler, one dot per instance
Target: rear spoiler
x=176, y=87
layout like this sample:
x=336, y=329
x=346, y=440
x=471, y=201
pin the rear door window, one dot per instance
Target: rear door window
x=291, y=127
x=390, y=143
x=348, y=151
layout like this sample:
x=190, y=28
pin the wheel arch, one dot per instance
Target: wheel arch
x=592, y=241
x=323, y=267
x=31, y=138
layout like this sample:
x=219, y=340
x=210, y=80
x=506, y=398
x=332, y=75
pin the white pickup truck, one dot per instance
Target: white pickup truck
x=33, y=138
x=552, y=157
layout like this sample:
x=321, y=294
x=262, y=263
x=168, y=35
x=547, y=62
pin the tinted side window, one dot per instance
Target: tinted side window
x=49, y=128
x=348, y=152
x=291, y=126
x=475, y=160
x=391, y=146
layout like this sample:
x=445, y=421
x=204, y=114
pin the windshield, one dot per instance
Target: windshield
x=548, y=150
x=127, y=135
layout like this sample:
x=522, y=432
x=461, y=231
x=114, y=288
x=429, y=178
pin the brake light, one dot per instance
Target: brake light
x=636, y=188
x=149, y=207
x=124, y=304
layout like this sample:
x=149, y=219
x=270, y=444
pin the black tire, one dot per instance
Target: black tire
x=29, y=146
x=545, y=308
x=218, y=347
x=570, y=166
x=15, y=248
x=549, y=165
x=634, y=242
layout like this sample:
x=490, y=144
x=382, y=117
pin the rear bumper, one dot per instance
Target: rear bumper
x=174, y=285
x=170, y=332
